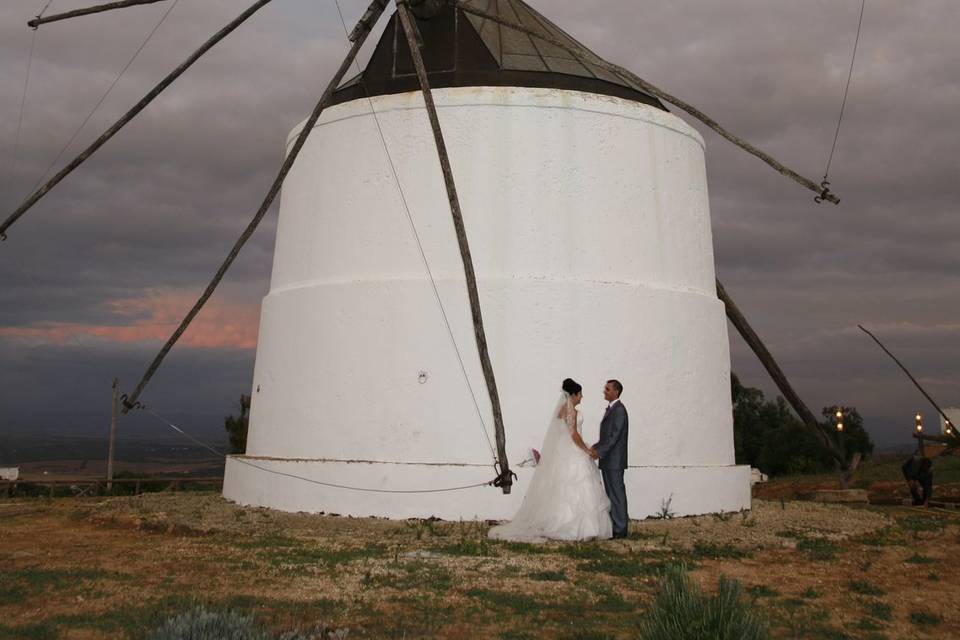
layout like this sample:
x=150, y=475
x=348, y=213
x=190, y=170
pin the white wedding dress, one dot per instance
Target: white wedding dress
x=565, y=500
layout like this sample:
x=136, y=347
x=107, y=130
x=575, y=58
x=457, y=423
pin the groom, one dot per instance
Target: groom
x=612, y=452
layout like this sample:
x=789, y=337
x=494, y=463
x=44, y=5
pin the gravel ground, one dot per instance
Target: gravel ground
x=765, y=525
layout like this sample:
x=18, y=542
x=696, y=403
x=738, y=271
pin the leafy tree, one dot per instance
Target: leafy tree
x=237, y=427
x=855, y=437
x=767, y=435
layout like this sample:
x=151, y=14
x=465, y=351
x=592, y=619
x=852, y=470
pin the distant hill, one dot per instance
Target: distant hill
x=58, y=435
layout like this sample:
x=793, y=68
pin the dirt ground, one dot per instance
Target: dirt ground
x=116, y=567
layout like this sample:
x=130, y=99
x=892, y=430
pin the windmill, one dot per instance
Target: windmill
x=509, y=50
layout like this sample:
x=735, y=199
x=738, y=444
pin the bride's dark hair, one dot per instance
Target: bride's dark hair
x=571, y=387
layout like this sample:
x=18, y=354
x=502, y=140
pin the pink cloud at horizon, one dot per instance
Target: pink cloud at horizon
x=154, y=317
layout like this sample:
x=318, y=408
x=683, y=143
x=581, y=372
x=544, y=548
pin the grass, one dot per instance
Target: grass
x=525, y=548
x=885, y=537
x=818, y=549
x=917, y=524
x=410, y=576
x=519, y=603
x=924, y=619
x=716, y=551
x=919, y=559
x=681, y=611
x=878, y=610
x=17, y=586
x=887, y=467
x=623, y=567
x=548, y=576
x=300, y=557
x=757, y=591
x=868, y=624
x=587, y=551
x=865, y=588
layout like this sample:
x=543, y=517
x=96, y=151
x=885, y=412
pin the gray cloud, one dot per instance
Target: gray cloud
x=162, y=203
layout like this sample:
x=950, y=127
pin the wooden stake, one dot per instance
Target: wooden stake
x=113, y=432
x=129, y=115
x=749, y=336
x=120, y=4
x=584, y=56
x=505, y=479
x=378, y=6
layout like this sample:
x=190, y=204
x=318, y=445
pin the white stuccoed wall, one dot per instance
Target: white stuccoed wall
x=589, y=225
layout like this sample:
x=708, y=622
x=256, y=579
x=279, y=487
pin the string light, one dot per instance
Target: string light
x=839, y=415
x=948, y=428
x=919, y=419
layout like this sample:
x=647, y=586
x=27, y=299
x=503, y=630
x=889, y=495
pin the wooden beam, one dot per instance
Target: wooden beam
x=130, y=115
x=76, y=13
x=378, y=6
x=505, y=481
x=750, y=336
x=584, y=56
x=955, y=437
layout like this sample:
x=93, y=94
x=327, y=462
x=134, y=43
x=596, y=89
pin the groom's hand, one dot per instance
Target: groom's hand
x=594, y=454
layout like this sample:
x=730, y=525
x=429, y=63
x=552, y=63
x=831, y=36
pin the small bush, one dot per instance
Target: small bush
x=681, y=612
x=924, y=619
x=818, y=548
x=203, y=624
x=879, y=610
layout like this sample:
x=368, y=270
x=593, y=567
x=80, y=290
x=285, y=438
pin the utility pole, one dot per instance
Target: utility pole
x=113, y=432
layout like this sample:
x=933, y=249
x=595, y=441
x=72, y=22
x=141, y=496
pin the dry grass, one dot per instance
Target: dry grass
x=105, y=568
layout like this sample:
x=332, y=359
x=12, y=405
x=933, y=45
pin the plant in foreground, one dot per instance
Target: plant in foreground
x=201, y=623
x=682, y=612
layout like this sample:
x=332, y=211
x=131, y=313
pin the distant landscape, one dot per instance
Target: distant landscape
x=76, y=444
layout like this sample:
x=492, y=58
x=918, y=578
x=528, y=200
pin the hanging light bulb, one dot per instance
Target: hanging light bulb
x=919, y=419
x=948, y=428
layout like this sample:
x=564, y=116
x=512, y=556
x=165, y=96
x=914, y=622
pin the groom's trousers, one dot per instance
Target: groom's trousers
x=617, y=492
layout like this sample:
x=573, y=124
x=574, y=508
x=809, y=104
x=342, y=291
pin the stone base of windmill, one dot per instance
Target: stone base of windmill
x=300, y=485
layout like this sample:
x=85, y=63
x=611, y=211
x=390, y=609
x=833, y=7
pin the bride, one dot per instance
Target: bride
x=565, y=500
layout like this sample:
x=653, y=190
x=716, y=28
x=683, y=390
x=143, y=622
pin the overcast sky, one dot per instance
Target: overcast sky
x=98, y=274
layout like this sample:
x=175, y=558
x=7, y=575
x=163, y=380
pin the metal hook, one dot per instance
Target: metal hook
x=825, y=189
x=125, y=401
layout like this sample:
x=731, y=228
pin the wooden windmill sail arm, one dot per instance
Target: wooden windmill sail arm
x=583, y=56
x=955, y=437
x=750, y=336
x=130, y=115
x=76, y=13
x=376, y=6
x=504, y=480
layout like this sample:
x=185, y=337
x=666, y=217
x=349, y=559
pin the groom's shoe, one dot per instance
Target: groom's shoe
x=619, y=536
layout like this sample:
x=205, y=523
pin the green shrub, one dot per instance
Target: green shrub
x=681, y=612
x=922, y=618
x=203, y=624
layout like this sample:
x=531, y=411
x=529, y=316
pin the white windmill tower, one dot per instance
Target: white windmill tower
x=586, y=206
x=587, y=203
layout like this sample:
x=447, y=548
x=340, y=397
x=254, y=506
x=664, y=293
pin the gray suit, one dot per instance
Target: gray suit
x=612, y=449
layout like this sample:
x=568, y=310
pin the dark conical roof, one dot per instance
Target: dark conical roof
x=463, y=50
